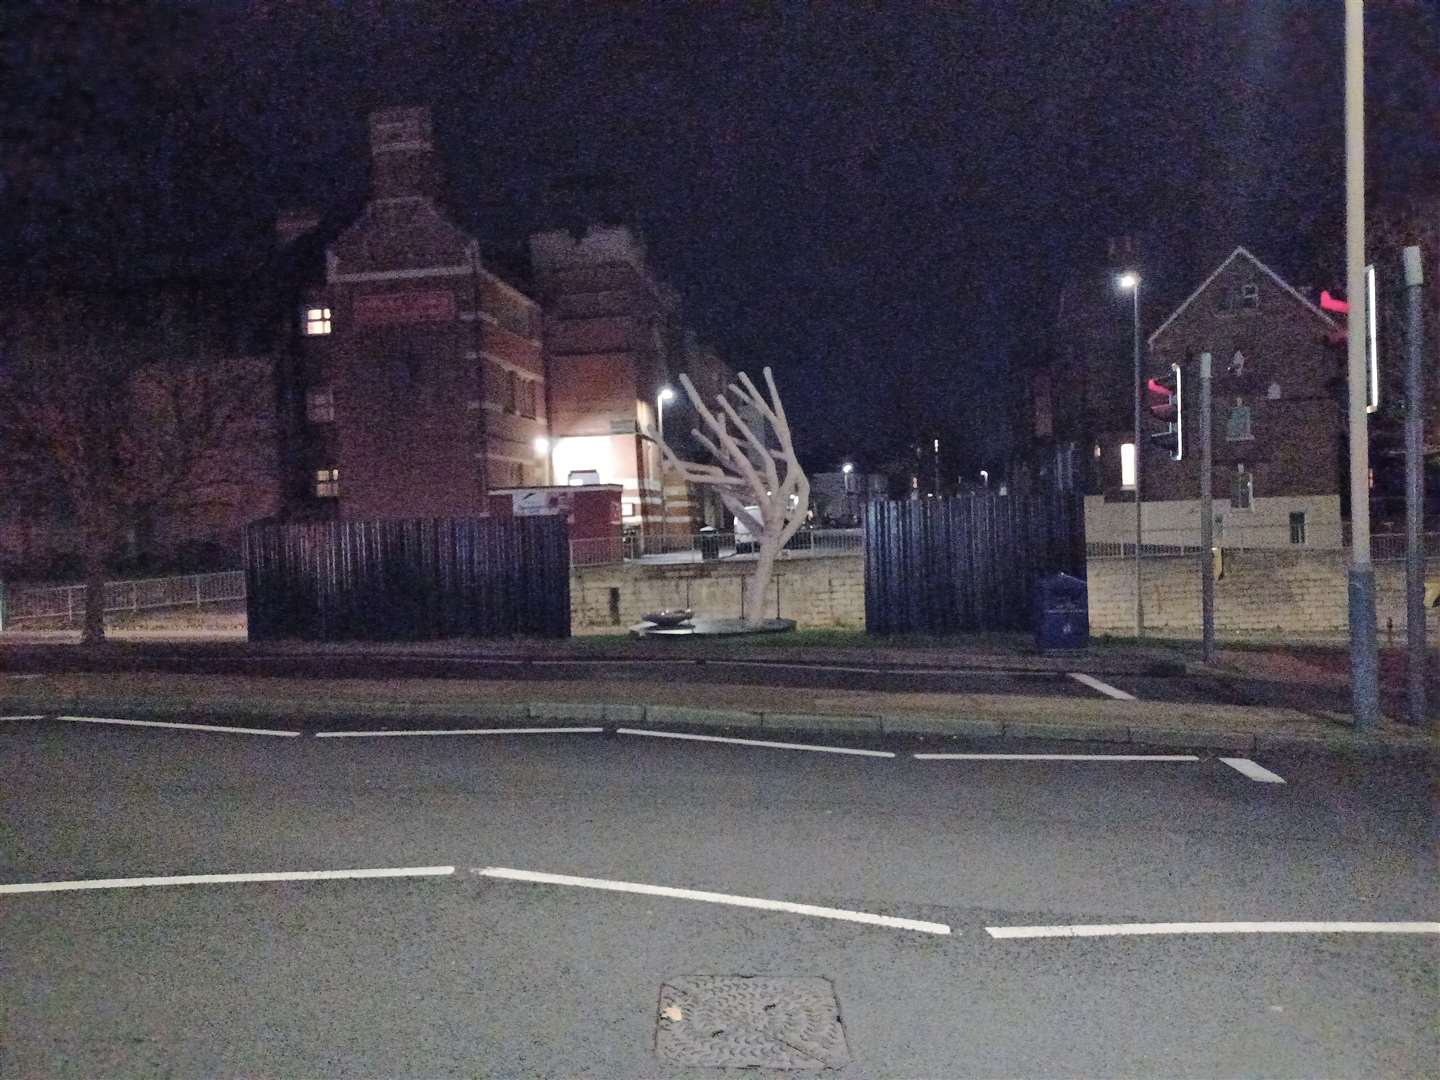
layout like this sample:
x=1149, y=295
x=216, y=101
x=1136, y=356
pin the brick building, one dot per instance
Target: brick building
x=419, y=380
x=1278, y=420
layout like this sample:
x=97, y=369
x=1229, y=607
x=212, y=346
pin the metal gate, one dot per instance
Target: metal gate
x=409, y=580
x=969, y=563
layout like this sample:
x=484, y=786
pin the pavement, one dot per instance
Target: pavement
x=1326, y=887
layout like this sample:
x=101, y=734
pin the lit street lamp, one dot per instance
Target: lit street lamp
x=845, y=471
x=985, y=477
x=1131, y=281
x=666, y=394
x=542, y=450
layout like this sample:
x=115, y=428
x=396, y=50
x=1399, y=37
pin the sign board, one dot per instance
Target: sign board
x=388, y=309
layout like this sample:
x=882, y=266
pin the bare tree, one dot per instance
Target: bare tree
x=764, y=487
x=116, y=420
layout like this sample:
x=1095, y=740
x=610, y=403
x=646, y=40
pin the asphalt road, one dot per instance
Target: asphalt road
x=468, y=975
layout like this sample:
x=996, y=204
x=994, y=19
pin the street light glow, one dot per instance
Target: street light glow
x=667, y=394
x=542, y=445
x=847, y=468
x=1128, y=280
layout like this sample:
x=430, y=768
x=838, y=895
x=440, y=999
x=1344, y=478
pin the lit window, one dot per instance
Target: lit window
x=1242, y=489
x=320, y=405
x=317, y=321
x=1237, y=427
x=327, y=483
x=1297, y=526
x=1127, y=466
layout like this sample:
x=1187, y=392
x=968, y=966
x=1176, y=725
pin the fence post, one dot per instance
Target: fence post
x=197, y=590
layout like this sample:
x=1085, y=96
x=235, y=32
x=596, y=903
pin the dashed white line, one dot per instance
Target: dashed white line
x=1146, y=929
x=1104, y=687
x=226, y=879
x=1057, y=757
x=183, y=727
x=842, y=914
x=460, y=731
x=22, y=718
x=1253, y=771
x=755, y=742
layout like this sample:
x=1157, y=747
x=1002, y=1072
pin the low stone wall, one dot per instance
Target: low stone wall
x=1301, y=592
x=814, y=590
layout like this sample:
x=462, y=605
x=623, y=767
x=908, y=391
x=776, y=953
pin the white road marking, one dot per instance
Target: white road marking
x=1057, y=757
x=22, y=718
x=755, y=742
x=226, y=879
x=842, y=914
x=25, y=676
x=1252, y=770
x=461, y=731
x=183, y=727
x=1104, y=687
x=1132, y=929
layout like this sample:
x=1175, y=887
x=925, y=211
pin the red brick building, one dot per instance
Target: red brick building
x=1278, y=419
x=420, y=380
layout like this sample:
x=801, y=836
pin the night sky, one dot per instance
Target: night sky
x=879, y=203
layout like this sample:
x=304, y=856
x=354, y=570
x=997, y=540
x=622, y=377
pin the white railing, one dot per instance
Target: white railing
x=66, y=603
x=1174, y=543
x=697, y=547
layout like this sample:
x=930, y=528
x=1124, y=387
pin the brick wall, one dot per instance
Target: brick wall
x=1286, y=591
x=814, y=591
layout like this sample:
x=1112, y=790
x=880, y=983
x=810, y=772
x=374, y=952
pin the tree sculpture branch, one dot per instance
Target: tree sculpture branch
x=762, y=485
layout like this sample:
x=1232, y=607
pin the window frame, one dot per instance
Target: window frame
x=327, y=483
x=1235, y=410
x=1299, y=536
x=320, y=405
x=1242, y=484
x=316, y=321
x=512, y=391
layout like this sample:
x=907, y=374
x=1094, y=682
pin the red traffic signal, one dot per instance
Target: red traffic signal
x=1166, y=398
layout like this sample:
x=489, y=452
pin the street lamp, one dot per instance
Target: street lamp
x=985, y=477
x=845, y=471
x=542, y=449
x=1131, y=281
x=666, y=394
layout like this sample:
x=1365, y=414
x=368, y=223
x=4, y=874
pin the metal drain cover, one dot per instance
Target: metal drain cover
x=737, y=1022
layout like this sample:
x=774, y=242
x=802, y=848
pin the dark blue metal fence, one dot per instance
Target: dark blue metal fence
x=408, y=580
x=969, y=563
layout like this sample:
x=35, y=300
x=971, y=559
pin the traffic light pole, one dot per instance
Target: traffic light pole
x=1414, y=494
x=1364, y=674
x=1207, y=521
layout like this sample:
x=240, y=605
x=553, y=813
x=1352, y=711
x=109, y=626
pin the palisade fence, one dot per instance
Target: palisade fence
x=409, y=580
x=970, y=563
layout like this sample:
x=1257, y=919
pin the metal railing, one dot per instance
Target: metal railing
x=35, y=603
x=696, y=547
x=1174, y=543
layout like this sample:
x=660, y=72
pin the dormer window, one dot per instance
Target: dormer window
x=316, y=321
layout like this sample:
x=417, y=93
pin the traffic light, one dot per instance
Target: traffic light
x=1167, y=403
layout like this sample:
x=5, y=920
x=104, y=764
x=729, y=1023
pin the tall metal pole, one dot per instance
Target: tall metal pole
x=1207, y=521
x=1414, y=493
x=1364, y=677
x=1139, y=601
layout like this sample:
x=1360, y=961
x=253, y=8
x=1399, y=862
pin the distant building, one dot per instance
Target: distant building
x=839, y=498
x=1278, y=420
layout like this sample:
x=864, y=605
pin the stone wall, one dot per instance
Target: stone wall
x=1302, y=592
x=815, y=591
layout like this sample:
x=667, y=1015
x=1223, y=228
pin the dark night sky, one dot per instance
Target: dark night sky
x=879, y=203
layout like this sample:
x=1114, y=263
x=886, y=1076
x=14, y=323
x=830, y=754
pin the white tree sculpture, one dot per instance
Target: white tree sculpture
x=749, y=476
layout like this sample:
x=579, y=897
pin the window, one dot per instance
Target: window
x=527, y=398
x=1229, y=299
x=320, y=405
x=1242, y=489
x=317, y=321
x=327, y=483
x=1127, y=466
x=1297, y=526
x=1250, y=296
x=517, y=475
x=512, y=391
x=1237, y=427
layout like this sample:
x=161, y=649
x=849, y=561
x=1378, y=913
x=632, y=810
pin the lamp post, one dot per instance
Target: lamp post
x=845, y=471
x=1131, y=281
x=666, y=394
x=985, y=478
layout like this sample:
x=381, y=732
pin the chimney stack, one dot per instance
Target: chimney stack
x=402, y=157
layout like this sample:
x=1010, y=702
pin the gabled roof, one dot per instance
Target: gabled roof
x=1237, y=253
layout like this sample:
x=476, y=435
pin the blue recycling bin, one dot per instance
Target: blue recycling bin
x=1062, y=613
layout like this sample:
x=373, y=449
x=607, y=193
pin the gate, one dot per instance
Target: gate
x=409, y=580
x=969, y=563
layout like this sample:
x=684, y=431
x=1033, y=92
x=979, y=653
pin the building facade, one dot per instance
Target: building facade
x=1278, y=424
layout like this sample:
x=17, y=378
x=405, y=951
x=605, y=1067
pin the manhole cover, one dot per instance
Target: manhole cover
x=731, y=1021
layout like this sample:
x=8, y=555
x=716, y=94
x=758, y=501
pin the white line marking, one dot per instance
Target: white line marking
x=184, y=727
x=1104, y=687
x=461, y=731
x=226, y=879
x=842, y=914
x=25, y=676
x=1131, y=929
x=1057, y=757
x=1253, y=771
x=755, y=742
x=22, y=718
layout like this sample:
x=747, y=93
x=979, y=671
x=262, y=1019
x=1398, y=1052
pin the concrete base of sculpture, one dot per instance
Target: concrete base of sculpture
x=703, y=627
